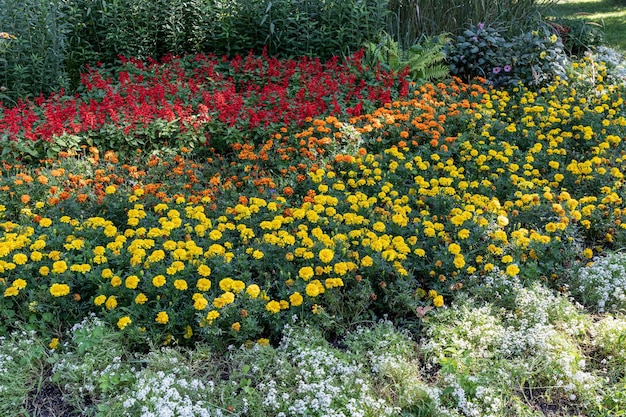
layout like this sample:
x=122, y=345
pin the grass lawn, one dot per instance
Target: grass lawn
x=609, y=13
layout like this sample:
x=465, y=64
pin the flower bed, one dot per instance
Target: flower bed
x=343, y=218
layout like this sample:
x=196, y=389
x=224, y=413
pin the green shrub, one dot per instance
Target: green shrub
x=532, y=58
x=35, y=62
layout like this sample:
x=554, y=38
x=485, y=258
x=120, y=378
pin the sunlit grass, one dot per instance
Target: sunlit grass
x=610, y=14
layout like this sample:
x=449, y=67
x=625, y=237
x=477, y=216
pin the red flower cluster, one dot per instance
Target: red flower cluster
x=206, y=95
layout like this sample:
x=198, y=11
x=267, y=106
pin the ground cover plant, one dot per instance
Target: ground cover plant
x=254, y=236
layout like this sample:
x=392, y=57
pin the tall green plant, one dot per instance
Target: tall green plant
x=414, y=18
x=36, y=61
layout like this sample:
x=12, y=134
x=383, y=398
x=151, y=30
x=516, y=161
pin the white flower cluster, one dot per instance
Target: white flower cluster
x=602, y=285
x=610, y=338
x=161, y=394
x=535, y=333
x=324, y=382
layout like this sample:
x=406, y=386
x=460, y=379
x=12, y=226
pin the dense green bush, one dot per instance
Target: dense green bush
x=532, y=57
x=36, y=59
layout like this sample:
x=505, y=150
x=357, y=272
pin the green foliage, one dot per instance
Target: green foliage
x=422, y=60
x=579, y=35
x=35, y=62
x=414, y=18
x=23, y=356
x=532, y=58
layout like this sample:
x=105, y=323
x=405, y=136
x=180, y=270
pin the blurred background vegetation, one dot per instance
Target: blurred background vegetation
x=56, y=39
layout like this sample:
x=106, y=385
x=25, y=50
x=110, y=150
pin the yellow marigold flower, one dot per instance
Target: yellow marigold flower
x=107, y=273
x=131, y=282
x=263, y=341
x=59, y=290
x=19, y=283
x=141, y=298
x=44, y=271
x=116, y=281
x=36, y=256
x=306, y=273
x=99, y=300
x=238, y=286
x=54, y=343
x=215, y=235
x=314, y=288
x=454, y=249
x=162, y=318
x=180, y=284
x=110, y=231
x=203, y=284
x=588, y=253
x=379, y=227
x=512, y=270
x=296, y=299
x=45, y=222
x=273, y=306
x=253, y=290
x=228, y=297
x=257, y=254
x=459, y=261
x=438, y=301
x=463, y=234
x=326, y=255
x=367, y=261
x=110, y=189
x=200, y=303
x=502, y=220
x=11, y=291
x=111, y=302
x=212, y=315
x=333, y=282
x=432, y=293
x=170, y=245
x=123, y=322
x=341, y=268
x=236, y=326
x=226, y=284
x=59, y=267
x=159, y=281
x=507, y=259
x=54, y=255
x=20, y=258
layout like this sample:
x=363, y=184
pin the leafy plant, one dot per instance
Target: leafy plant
x=423, y=60
x=532, y=57
x=36, y=62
